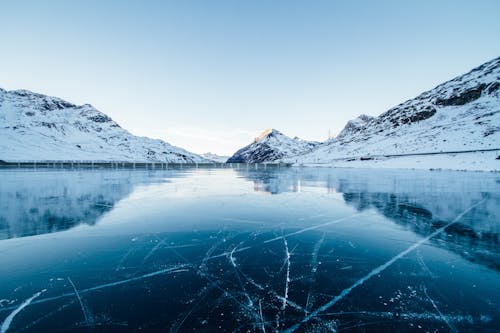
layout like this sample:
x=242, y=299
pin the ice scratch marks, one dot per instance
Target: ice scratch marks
x=203, y=271
x=313, y=227
x=119, y=266
x=287, y=276
x=314, y=269
x=292, y=304
x=159, y=245
x=262, y=321
x=229, y=295
x=452, y=328
x=224, y=254
x=174, y=269
x=47, y=315
x=210, y=255
x=379, y=269
x=86, y=313
x=232, y=259
x=314, y=256
x=427, y=316
x=424, y=266
x=201, y=297
x=153, y=250
x=6, y=323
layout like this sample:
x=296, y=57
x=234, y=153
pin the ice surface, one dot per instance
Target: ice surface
x=237, y=250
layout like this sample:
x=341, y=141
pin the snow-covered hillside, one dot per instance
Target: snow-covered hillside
x=215, y=158
x=458, y=115
x=354, y=126
x=38, y=127
x=270, y=146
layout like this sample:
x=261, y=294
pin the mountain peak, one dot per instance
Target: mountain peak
x=268, y=133
x=355, y=125
x=271, y=145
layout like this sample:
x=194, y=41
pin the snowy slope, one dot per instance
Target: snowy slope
x=355, y=125
x=215, y=158
x=38, y=127
x=270, y=146
x=458, y=115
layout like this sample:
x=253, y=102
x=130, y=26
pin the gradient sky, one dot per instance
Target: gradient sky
x=211, y=75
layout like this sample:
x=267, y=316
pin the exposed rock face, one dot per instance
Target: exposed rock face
x=271, y=146
x=462, y=98
x=39, y=127
x=461, y=114
x=355, y=125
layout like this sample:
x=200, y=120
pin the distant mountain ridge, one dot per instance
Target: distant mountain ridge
x=462, y=114
x=39, y=127
x=270, y=146
x=215, y=158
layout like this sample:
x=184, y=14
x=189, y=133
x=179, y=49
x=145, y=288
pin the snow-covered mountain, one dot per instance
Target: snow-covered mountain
x=459, y=115
x=355, y=125
x=215, y=158
x=270, y=146
x=39, y=127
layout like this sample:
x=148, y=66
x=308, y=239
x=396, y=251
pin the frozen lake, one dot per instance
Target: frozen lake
x=246, y=250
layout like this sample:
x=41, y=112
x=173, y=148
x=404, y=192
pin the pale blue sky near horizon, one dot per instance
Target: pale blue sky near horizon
x=211, y=75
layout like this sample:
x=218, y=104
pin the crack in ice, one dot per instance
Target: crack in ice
x=313, y=227
x=314, y=269
x=85, y=311
x=176, y=269
x=6, y=323
x=452, y=328
x=378, y=270
x=262, y=321
x=287, y=279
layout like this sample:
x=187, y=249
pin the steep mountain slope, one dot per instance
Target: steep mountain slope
x=354, y=126
x=458, y=115
x=270, y=146
x=38, y=127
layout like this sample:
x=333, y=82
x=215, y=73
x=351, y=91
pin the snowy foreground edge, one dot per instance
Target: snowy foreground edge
x=477, y=161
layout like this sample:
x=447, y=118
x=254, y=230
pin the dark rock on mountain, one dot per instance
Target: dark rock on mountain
x=271, y=146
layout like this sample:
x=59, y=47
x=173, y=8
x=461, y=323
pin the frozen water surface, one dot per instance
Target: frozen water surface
x=249, y=250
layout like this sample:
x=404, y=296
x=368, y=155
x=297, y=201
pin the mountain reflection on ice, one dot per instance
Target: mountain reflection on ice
x=203, y=250
x=38, y=202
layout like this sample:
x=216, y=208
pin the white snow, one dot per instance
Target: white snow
x=215, y=158
x=460, y=115
x=477, y=161
x=38, y=127
x=270, y=146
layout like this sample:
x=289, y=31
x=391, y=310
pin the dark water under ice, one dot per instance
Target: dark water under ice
x=245, y=250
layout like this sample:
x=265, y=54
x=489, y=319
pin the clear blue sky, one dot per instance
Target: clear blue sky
x=210, y=75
